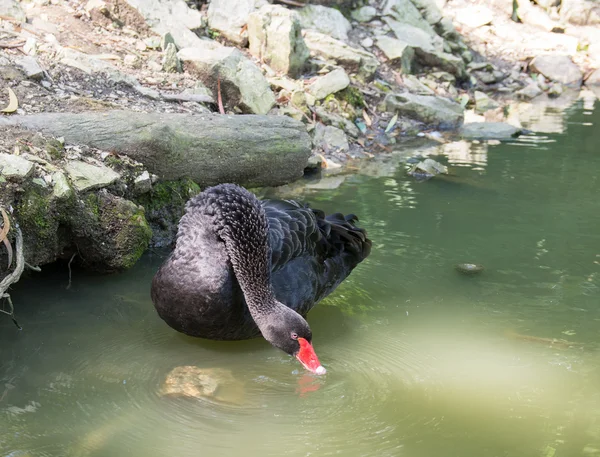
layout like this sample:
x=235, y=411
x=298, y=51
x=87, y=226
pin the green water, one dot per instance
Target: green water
x=421, y=360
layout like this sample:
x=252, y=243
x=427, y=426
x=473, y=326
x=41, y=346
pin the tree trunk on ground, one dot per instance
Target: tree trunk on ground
x=251, y=150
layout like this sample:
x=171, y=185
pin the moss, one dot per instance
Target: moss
x=34, y=212
x=55, y=149
x=352, y=96
x=132, y=241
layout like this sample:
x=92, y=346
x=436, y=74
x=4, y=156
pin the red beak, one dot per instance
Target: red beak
x=307, y=357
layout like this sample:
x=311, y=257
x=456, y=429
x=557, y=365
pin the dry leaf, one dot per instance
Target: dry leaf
x=367, y=119
x=392, y=123
x=13, y=103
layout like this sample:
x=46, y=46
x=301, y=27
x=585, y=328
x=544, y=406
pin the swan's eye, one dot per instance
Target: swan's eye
x=294, y=336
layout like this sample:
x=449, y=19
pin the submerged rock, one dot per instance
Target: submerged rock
x=242, y=82
x=469, y=268
x=203, y=383
x=427, y=169
x=529, y=92
x=489, y=131
x=325, y=20
x=557, y=67
x=275, y=36
x=432, y=110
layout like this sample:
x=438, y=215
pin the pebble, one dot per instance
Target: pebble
x=366, y=42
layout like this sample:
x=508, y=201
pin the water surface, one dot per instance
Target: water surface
x=422, y=361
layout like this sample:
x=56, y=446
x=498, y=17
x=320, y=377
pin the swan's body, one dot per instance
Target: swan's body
x=238, y=259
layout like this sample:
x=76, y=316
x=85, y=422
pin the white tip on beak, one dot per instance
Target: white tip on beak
x=320, y=370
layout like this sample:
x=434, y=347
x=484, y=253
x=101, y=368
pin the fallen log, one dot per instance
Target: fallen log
x=251, y=150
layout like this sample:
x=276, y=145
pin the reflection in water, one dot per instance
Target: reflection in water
x=421, y=360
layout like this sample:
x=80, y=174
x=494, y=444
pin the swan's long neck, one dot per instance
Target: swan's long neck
x=241, y=223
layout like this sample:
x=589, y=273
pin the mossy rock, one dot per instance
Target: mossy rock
x=165, y=205
x=110, y=232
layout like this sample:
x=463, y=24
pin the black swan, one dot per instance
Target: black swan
x=242, y=267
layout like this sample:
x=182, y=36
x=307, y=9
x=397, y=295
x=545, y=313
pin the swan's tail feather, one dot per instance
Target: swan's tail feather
x=342, y=235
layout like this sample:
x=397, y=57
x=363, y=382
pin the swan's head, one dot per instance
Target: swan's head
x=289, y=332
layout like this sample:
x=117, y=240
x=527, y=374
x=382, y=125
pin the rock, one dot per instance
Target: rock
x=242, y=82
x=331, y=83
x=436, y=111
x=427, y=169
x=430, y=11
x=328, y=21
x=469, y=268
x=405, y=12
x=167, y=39
x=489, y=131
x=364, y=14
x=397, y=51
x=367, y=42
x=15, y=168
x=133, y=61
x=30, y=67
x=475, y=16
x=428, y=48
x=275, y=36
x=171, y=62
x=484, y=103
x=529, y=92
x=12, y=9
x=207, y=148
x=337, y=121
x=352, y=59
x=558, y=68
x=88, y=177
x=174, y=17
x=593, y=79
x=579, y=12
x=142, y=184
x=330, y=139
x=555, y=90
x=203, y=383
x=230, y=16
x=62, y=189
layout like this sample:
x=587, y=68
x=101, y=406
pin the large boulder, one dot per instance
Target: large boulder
x=557, y=67
x=325, y=20
x=242, y=82
x=230, y=16
x=275, y=36
x=352, y=59
x=436, y=111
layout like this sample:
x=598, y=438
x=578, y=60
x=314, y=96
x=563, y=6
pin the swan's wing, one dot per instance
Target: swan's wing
x=296, y=230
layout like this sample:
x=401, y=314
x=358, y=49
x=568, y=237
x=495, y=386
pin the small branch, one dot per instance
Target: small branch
x=219, y=99
x=31, y=267
x=72, y=257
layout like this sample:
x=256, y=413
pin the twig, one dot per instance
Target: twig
x=292, y=3
x=72, y=257
x=31, y=267
x=219, y=99
x=12, y=45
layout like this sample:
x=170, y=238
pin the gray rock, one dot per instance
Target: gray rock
x=142, y=184
x=436, y=111
x=415, y=86
x=469, y=268
x=580, y=12
x=166, y=39
x=397, y=51
x=489, y=131
x=85, y=176
x=555, y=90
x=325, y=20
x=405, y=12
x=31, y=67
x=427, y=169
x=352, y=59
x=12, y=8
x=367, y=42
x=337, y=121
x=15, y=168
x=174, y=17
x=558, y=68
x=330, y=139
x=529, y=92
x=207, y=148
x=242, y=82
x=275, y=36
x=484, y=103
x=593, y=79
x=430, y=10
x=171, y=62
x=62, y=189
x=475, y=16
x=364, y=14
x=331, y=83
x=230, y=16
